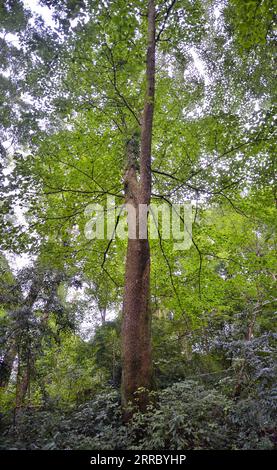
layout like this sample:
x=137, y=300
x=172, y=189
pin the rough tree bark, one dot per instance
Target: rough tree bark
x=136, y=328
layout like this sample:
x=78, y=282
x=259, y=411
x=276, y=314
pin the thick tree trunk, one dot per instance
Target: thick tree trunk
x=136, y=329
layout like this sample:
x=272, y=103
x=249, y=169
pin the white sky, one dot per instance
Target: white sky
x=43, y=11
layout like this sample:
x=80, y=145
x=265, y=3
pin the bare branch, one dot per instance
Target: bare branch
x=165, y=20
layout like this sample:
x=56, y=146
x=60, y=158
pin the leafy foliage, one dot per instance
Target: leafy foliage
x=71, y=96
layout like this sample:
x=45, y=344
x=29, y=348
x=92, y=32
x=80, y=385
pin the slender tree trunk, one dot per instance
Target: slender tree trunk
x=103, y=312
x=136, y=329
x=23, y=383
x=6, y=364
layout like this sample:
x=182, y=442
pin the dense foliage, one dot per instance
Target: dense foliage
x=72, y=91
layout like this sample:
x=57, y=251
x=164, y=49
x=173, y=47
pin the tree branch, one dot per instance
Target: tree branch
x=165, y=20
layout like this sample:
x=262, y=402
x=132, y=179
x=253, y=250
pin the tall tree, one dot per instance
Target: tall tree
x=207, y=145
x=136, y=329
